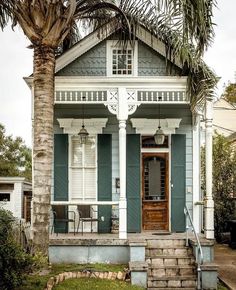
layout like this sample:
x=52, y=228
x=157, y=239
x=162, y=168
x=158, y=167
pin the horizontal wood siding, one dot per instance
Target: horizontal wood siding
x=187, y=130
x=112, y=127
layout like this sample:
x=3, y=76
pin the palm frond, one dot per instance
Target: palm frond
x=5, y=13
x=186, y=29
x=184, y=26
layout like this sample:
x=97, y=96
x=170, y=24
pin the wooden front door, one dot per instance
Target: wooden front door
x=155, y=191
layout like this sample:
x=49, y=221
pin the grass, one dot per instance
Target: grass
x=221, y=287
x=37, y=281
x=98, y=284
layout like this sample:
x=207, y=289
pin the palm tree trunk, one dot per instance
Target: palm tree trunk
x=44, y=67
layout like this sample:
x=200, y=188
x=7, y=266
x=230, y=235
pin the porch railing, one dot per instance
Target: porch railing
x=110, y=96
x=89, y=202
x=199, y=253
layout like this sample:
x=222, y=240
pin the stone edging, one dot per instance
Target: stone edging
x=53, y=281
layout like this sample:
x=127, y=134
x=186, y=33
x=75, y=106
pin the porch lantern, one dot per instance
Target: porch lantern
x=83, y=133
x=159, y=136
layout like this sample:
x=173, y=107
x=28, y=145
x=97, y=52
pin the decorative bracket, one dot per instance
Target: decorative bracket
x=122, y=102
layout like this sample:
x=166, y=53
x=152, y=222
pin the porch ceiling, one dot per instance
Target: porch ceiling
x=100, y=111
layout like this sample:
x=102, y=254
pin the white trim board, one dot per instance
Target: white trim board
x=166, y=83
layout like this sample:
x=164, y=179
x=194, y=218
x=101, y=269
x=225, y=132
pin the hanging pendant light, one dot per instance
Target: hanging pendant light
x=159, y=136
x=83, y=133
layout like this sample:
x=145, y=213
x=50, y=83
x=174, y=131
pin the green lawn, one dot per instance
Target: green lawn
x=38, y=281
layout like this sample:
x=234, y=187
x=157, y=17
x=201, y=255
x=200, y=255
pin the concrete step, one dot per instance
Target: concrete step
x=180, y=251
x=163, y=243
x=171, y=260
x=172, y=282
x=177, y=270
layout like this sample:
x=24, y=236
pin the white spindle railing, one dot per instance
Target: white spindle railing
x=139, y=96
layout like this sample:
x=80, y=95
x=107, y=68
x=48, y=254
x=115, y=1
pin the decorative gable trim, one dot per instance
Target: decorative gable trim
x=98, y=36
x=72, y=126
x=86, y=44
x=149, y=126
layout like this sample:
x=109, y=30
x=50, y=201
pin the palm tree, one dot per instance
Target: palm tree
x=47, y=23
x=185, y=26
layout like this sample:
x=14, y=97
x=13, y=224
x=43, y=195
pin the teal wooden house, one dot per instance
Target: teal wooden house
x=138, y=163
x=121, y=96
x=127, y=149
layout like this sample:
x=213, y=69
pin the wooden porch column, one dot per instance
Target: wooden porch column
x=122, y=116
x=209, y=203
x=197, y=209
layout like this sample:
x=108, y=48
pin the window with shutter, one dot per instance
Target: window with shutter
x=83, y=169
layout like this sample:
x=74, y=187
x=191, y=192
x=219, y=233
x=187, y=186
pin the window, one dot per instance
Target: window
x=121, y=61
x=4, y=196
x=154, y=178
x=149, y=142
x=83, y=169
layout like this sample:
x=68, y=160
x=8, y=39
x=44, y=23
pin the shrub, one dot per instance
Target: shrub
x=14, y=262
x=224, y=175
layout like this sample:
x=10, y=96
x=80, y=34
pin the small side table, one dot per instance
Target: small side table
x=114, y=225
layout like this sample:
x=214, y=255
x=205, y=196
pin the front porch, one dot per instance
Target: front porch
x=155, y=260
x=104, y=248
x=155, y=182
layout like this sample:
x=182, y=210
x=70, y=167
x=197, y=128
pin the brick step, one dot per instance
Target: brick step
x=168, y=247
x=165, y=243
x=153, y=266
x=181, y=270
x=171, y=260
x=153, y=252
x=172, y=282
x=191, y=277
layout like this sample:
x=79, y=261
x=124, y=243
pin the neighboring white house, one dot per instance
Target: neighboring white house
x=16, y=195
x=224, y=121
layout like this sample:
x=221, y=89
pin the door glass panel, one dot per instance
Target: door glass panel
x=154, y=178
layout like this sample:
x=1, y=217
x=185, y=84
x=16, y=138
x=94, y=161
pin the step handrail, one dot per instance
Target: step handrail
x=199, y=253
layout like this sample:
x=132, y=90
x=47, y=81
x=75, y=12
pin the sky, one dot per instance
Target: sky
x=16, y=62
